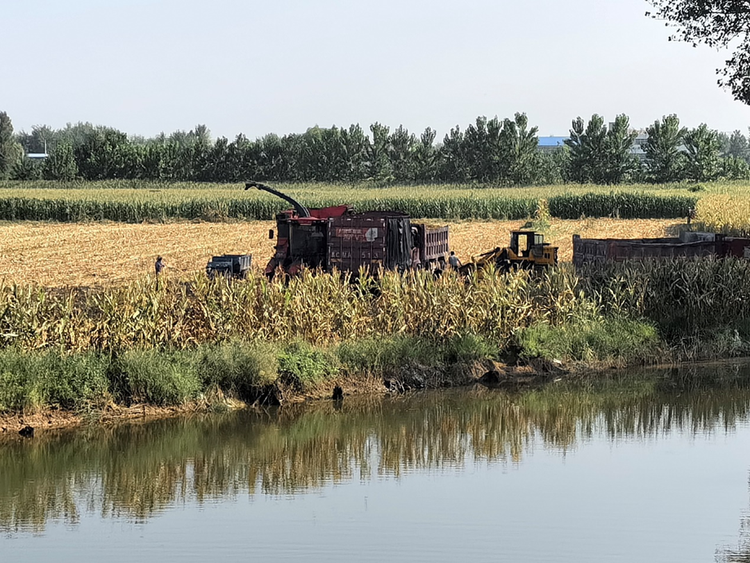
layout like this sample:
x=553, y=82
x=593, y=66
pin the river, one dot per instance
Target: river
x=650, y=466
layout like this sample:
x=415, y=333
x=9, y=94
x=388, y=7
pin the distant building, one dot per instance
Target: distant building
x=638, y=149
x=550, y=144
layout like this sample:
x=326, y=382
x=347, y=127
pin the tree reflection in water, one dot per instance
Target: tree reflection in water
x=134, y=471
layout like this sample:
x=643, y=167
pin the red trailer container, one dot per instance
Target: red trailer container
x=690, y=245
x=361, y=240
x=384, y=239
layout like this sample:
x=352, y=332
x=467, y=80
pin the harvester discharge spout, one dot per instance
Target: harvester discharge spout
x=301, y=210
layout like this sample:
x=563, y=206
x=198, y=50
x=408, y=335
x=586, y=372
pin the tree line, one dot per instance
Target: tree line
x=492, y=151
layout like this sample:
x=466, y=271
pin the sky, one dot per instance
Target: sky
x=281, y=66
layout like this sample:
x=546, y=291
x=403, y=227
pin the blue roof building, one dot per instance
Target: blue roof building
x=551, y=143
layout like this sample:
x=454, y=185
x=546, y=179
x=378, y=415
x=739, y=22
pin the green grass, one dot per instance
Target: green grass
x=599, y=340
x=30, y=380
x=305, y=366
x=33, y=380
x=381, y=355
x=239, y=368
x=159, y=378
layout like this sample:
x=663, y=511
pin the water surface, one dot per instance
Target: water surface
x=648, y=467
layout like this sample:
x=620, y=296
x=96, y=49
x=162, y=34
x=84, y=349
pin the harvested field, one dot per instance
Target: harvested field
x=95, y=254
x=57, y=254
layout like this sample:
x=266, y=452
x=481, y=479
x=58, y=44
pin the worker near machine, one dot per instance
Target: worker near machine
x=453, y=261
x=159, y=265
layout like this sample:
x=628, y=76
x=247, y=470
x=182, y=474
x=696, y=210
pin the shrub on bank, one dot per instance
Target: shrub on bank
x=159, y=378
x=29, y=380
x=305, y=366
x=239, y=368
x=616, y=340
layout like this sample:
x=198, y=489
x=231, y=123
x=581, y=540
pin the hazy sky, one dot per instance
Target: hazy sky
x=281, y=66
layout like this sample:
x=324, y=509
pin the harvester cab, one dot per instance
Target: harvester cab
x=301, y=234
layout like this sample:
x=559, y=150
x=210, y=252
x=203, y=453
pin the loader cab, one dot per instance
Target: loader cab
x=522, y=242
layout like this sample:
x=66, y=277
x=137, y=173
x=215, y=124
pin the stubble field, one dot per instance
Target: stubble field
x=103, y=253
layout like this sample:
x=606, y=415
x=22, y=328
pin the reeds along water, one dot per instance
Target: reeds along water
x=138, y=470
x=683, y=297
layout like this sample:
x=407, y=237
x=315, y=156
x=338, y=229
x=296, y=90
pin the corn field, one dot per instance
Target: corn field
x=621, y=205
x=320, y=309
x=680, y=297
x=724, y=213
x=141, y=201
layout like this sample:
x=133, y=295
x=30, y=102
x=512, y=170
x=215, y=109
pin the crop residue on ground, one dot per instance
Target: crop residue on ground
x=95, y=254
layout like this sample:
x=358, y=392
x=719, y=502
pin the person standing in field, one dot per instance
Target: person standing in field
x=453, y=261
x=159, y=265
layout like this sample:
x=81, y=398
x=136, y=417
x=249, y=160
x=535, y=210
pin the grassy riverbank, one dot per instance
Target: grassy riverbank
x=265, y=372
x=170, y=342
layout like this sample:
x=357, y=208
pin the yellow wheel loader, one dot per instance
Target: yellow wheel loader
x=527, y=250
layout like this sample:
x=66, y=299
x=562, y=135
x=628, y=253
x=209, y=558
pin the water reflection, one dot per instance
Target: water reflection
x=136, y=470
x=740, y=554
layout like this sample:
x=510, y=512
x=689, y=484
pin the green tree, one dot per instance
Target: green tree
x=619, y=161
x=403, y=147
x=379, y=157
x=105, y=154
x=664, y=158
x=425, y=156
x=587, y=145
x=356, y=147
x=737, y=146
x=518, y=151
x=734, y=168
x=552, y=167
x=452, y=161
x=482, y=150
x=75, y=134
x=26, y=169
x=718, y=24
x=702, y=147
x=40, y=140
x=10, y=150
x=600, y=154
x=60, y=164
